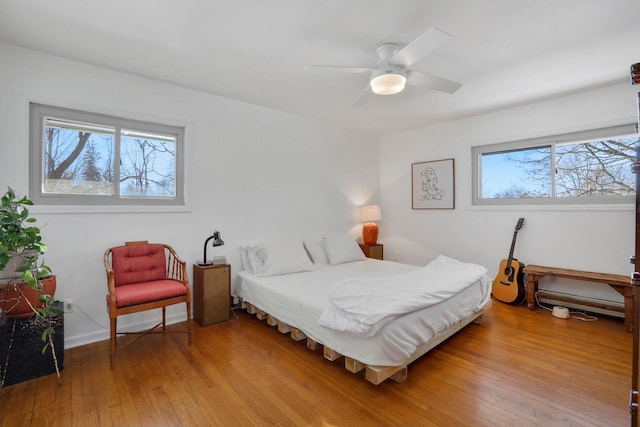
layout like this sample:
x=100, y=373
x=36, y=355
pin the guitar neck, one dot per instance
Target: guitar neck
x=513, y=246
x=513, y=241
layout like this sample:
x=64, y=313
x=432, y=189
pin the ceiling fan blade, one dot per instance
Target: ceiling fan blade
x=364, y=97
x=337, y=68
x=420, y=47
x=415, y=78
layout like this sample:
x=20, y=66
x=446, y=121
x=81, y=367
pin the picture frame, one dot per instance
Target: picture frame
x=433, y=184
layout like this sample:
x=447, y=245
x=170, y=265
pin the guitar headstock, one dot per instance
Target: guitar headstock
x=519, y=224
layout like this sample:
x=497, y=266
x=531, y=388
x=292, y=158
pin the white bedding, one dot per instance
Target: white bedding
x=299, y=300
x=363, y=306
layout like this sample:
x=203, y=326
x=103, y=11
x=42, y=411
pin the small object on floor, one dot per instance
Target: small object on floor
x=560, y=312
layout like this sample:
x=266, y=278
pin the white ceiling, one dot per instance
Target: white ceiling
x=505, y=52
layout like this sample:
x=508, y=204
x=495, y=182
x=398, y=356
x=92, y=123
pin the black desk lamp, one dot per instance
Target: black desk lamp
x=217, y=241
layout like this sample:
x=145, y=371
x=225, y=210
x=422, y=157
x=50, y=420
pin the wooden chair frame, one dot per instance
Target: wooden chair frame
x=176, y=270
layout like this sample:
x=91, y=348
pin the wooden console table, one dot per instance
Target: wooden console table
x=622, y=284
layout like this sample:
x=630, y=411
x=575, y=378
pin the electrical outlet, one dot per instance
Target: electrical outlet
x=68, y=305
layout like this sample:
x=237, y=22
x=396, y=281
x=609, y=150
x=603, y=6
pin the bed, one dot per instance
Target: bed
x=313, y=289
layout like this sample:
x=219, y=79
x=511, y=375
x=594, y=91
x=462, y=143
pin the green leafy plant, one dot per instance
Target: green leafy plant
x=20, y=239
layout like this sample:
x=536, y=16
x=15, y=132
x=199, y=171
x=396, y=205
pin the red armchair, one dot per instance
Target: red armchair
x=143, y=276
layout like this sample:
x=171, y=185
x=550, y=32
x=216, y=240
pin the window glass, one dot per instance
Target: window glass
x=78, y=158
x=596, y=168
x=147, y=165
x=86, y=158
x=583, y=167
x=511, y=174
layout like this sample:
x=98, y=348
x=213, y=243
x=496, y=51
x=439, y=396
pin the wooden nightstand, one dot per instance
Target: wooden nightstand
x=373, y=251
x=211, y=293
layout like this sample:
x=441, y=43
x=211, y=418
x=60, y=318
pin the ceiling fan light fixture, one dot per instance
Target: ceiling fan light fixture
x=388, y=83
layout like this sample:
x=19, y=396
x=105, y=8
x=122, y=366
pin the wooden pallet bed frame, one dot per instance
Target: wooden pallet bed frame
x=373, y=374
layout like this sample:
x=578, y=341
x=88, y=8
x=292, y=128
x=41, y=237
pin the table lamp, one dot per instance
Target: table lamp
x=368, y=214
x=217, y=241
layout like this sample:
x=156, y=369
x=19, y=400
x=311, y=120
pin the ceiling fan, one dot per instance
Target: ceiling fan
x=392, y=72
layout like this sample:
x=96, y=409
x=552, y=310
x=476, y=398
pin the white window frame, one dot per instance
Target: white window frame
x=37, y=115
x=587, y=135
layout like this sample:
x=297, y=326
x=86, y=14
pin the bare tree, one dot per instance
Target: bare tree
x=138, y=169
x=597, y=168
x=147, y=166
x=62, y=151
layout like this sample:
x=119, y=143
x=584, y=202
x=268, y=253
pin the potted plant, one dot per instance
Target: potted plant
x=27, y=287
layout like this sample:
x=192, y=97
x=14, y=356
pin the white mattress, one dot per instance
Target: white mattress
x=299, y=299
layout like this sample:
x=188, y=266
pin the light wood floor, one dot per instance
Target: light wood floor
x=517, y=368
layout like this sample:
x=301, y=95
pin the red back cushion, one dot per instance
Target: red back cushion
x=138, y=263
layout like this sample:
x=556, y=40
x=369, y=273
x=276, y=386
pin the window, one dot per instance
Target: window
x=80, y=158
x=581, y=168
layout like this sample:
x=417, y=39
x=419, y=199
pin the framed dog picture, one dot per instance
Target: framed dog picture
x=433, y=185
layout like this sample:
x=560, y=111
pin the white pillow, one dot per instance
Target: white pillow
x=244, y=257
x=279, y=257
x=315, y=249
x=341, y=249
x=255, y=257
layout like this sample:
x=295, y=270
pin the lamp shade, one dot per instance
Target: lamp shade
x=370, y=213
x=370, y=229
x=388, y=84
x=217, y=241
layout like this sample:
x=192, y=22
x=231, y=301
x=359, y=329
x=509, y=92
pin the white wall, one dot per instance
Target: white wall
x=591, y=238
x=252, y=173
x=255, y=173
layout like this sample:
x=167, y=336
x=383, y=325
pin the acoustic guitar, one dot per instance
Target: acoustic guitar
x=508, y=285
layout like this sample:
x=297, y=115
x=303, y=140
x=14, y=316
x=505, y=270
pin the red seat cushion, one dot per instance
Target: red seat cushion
x=140, y=293
x=138, y=263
